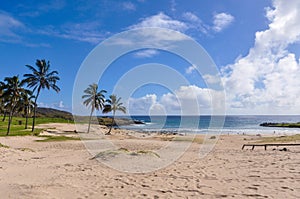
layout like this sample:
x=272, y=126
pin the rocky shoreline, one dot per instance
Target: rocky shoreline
x=283, y=125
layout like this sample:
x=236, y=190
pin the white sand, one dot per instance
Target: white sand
x=30, y=169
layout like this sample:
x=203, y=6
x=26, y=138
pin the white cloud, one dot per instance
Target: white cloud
x=190, y=69
x=128, y=6
x=195, y=22
x=189, y=22
x=141, y=105
x=8, y=28
x=151, y=34
x=42, y=8
x=11, y=30
x=186, y=100
x=52, y=5
x=221, y=21
x=55, y=105
x=212, y=79
x=267, y=79
x=61, y=104
x=173, y=6
x=161, y=21
x=191, y=17
x=146, y=53
x=84, y=32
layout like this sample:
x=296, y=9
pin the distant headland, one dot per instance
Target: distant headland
x=283, y=125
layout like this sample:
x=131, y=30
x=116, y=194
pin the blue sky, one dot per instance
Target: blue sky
x=254, y=44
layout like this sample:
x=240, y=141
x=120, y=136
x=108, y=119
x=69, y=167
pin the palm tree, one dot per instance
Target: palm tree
x=12, y=93
x=41, y=78
x=2, y=85
x=113, y=105
x=2, y=101
x=93, y=99
x=26, y=105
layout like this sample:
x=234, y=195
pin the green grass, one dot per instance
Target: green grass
x=291, y=138
x=196, y=139
x=113, y=153
x=56, y=138
x=45, y=120
x=3, y=146
x=144, y=152
x=19, y=130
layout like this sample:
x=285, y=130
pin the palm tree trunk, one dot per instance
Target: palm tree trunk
x=26, y=121
x=90, y=119
x=9, y=122
x=34, y=109
x=112, y=123
x=4, y=116
x=33, y=119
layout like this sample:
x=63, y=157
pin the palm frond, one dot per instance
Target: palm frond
x=31, y=68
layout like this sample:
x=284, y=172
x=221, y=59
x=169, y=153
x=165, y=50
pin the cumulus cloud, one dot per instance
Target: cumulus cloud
x=146, y=53
x=141, y=105
x=61, y=104
x=195, y=22
x=267, y=79
x=55, y=105
x=188, y=21
x=190, y=69
x=161, y=20
x=186, y=100
x=191, y=17
x=154, y=36
x=212, y=79
x=221, y=21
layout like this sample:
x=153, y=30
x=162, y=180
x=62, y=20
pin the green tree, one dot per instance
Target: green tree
x=26, y=105
x=113, y=105
x=93, y=99
x=13, y=90
x=42, y=77
x=2, y=100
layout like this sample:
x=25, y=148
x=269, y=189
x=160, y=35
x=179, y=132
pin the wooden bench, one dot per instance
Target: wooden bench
x=266, y=145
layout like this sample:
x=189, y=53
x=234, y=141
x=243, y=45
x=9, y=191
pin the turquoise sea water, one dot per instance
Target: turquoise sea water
x=202, y=124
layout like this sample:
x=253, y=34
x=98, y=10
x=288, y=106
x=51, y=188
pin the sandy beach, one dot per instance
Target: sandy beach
x=30, y=169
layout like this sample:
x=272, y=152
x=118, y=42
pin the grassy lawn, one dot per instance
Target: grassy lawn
x=18, y=129
x=281, y=139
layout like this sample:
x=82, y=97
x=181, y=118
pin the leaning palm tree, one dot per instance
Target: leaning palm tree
x=93, y=99
x=12, y=93
x=113, y=105
x=41, y=78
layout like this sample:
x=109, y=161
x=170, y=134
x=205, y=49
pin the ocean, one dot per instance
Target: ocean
x=246, y=124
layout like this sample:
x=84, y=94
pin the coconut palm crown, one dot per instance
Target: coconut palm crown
x=12, y=93
x=94, y=99
x=113, y=105
x=41, y=78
